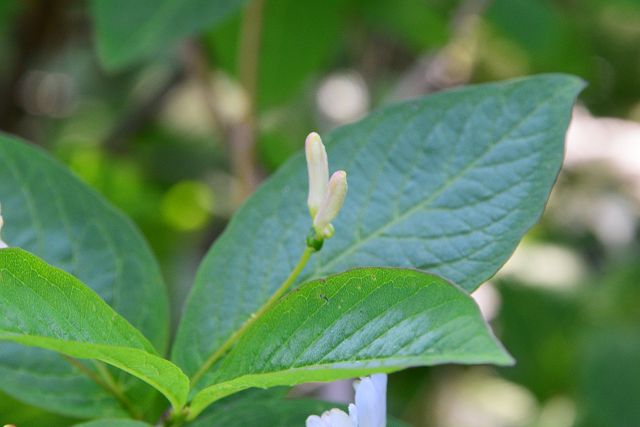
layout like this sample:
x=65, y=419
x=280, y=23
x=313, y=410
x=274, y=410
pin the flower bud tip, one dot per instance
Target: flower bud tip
x=331, y=204
x=318, y=169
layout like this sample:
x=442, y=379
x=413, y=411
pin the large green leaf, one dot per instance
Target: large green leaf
x=353, y=324
x=265, y=409
x=447, y=184
x=45, y=307
x=128, y=31
x=50, y=213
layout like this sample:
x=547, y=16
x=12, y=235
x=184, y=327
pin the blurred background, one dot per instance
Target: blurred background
x=178, y=139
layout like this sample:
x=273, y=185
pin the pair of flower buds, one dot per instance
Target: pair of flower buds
x=326, y=195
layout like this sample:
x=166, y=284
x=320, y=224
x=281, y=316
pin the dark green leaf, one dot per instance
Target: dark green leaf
x=48, y=308
x=50, y=213
x=353, y=324
x=128, y=31
x=447, y=184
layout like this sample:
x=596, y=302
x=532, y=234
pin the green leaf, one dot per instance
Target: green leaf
x=448, y=184
x=318, y=27
x=113, y=422
x=50, y=213
x=48, y=308
x=354, y=324
x=127, y=32
x=265, y=409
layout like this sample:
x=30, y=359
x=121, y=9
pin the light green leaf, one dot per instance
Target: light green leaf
x=50, y=213
x=128, y=31
x=48, y=308
x=265, y=409
x=113, y=422
x=354, y=324
x=447, y=184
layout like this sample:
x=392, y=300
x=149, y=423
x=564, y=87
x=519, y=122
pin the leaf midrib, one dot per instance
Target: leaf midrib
x=326, y=268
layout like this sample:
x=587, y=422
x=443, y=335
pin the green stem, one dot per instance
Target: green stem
x=106, y=381
x=247, y=324
x=114, y=387
x=175, y=419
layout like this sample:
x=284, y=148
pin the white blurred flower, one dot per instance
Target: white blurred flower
x=2, y=244
x=370, y=409
x=333, y=418
x=326, y=196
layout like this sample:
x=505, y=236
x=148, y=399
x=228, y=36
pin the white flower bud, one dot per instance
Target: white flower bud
x=331, y=204
x=318, y=168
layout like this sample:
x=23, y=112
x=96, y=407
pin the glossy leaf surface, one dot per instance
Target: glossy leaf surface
x=45, y=307
x=354, y=324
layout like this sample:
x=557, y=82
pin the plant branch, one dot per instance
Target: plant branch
x=242, y=137
x=239, y=133
x=284, y=287
x=114, y=387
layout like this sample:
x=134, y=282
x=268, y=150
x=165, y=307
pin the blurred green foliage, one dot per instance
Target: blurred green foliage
x=23, y=415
